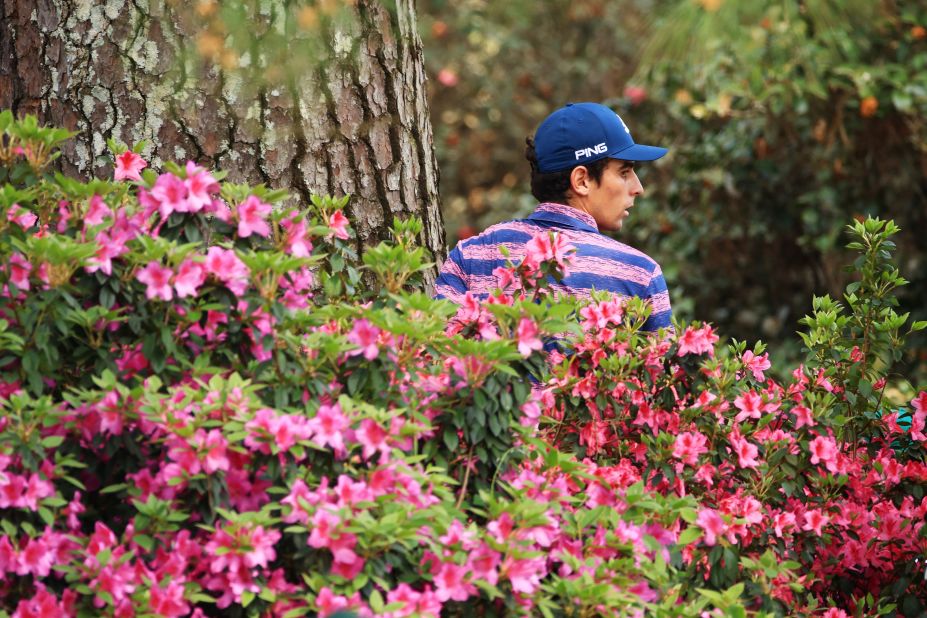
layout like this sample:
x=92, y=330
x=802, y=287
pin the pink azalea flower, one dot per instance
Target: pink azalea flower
x=339, y=225
x=190, y=276
x=756, y=364
x=600, y=315
x=225, y=265
x=688, y=446
x=168, y=601
x=43, y=604
x=21, y=217
x=783, y=522
x=745, y=451
x=20, y=268
x=815, y=520
x=373, y=438
x=157, y=278
x=328, y=426
x=803, y=417
x=750, y=405
x=252, y=217
x=129, y=166
x=364, y=334
x=449, y=583
x=527, y=335
x=325, y=526
x=328, y=602
x=170, y=193
x=484, y=564
x=712, y=524
x=824, y=450
x=262, y=551
x=697, y=341
x=547, y=247
x=37, y=558
x=215, y=444
x=200, y=187
x=297, y=237
x=525, y=574
x=919, y=419
x=97, y=212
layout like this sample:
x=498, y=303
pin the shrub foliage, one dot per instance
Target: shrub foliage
x=206, y=412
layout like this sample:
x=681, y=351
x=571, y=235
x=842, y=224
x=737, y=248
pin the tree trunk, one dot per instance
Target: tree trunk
x=357, y=123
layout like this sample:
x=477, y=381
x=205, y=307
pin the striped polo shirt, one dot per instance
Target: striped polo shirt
x=600, y=263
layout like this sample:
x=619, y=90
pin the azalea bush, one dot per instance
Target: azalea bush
x=208, y=411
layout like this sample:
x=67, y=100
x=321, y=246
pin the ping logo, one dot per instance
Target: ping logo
x=593, y=150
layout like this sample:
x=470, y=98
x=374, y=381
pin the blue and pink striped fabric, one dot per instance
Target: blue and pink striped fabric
x=600, y=263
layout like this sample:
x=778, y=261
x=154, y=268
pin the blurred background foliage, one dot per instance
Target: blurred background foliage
x=785, y=119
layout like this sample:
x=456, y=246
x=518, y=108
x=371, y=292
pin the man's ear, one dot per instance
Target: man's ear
x=580, y=181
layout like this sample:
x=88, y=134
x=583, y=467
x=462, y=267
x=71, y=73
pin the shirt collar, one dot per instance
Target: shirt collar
x=564, y=216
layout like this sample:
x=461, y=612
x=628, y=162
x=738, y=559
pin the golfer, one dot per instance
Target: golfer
x=582, y=174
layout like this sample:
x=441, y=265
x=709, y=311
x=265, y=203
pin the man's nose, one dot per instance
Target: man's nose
x=638, y=188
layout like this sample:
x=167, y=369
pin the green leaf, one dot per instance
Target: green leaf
x=451, y=441
x=689, y=535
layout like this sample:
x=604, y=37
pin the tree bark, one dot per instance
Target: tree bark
x=357, y=123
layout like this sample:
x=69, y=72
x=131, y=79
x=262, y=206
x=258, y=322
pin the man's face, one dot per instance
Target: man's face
x=610, y=198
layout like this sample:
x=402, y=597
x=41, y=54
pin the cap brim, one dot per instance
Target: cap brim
x=638, y=152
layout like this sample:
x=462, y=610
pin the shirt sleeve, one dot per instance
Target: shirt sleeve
x=661, y=315
x=452, y=282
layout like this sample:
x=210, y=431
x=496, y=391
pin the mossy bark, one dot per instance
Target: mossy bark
x=357, y=123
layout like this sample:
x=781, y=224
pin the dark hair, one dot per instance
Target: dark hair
x=553, y=186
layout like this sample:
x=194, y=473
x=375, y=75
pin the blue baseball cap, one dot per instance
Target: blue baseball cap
x=585, y=132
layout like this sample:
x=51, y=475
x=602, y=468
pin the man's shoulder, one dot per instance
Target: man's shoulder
x=616, y=250
x=504, y=231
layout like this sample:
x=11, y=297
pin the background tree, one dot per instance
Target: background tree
x=317, y=97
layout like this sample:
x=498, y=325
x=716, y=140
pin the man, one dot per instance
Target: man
x=582, y=173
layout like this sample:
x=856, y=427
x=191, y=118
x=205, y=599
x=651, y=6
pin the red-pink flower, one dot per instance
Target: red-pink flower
x=225, y=265
x=750, y=405
x=824, y=450
x=252, y=217
x=712, y=524
x=745, y=451
x=328, y=602
x=803, y=417
x=339, y=225
x=97, y=212
x=919, y=419
x=373, y=438
x=527, y=335
x=364, y=335
x=525, y=574
x=170, y=193
x=200, y=187
x=43, y=604
x=328, y=426
x=449, y=582
x=689, y=445
x=600, y=315
x=214, y=444
x=129, y=166
x=756, y=364
x=297, y=237
x=697, y=341
x=548, y=246
x=158, y=280
x=190, y=276
x=815, y=520
x=21, y=217
x=168, y=601
x=20, y=268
